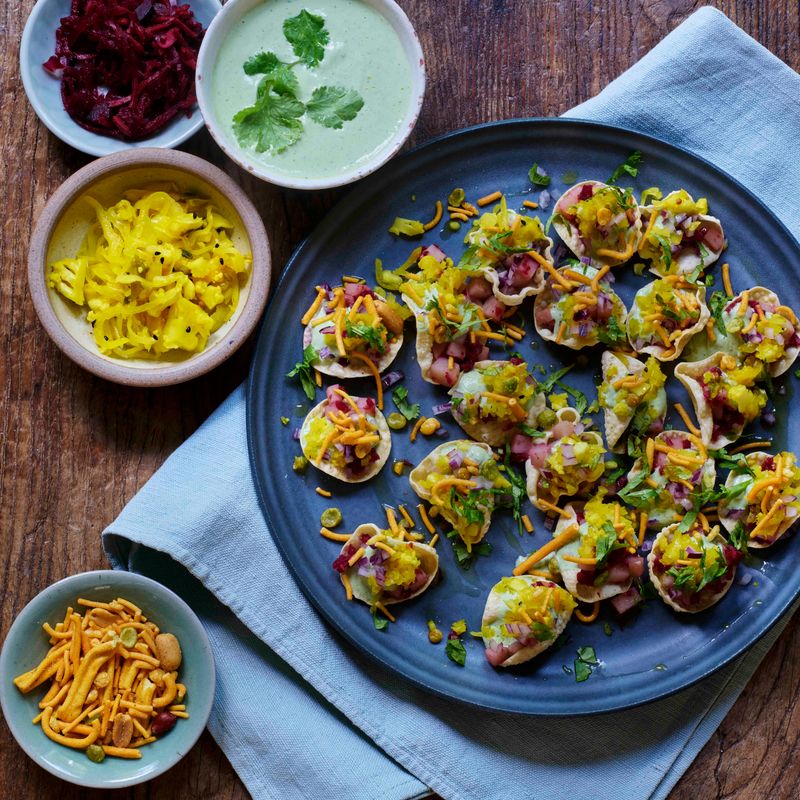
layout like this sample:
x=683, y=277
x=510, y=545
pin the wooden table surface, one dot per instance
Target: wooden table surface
x=74, y=449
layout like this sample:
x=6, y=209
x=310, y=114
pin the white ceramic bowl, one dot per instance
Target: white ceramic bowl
x=62, y=227
x=44, y=91
x=230, y=16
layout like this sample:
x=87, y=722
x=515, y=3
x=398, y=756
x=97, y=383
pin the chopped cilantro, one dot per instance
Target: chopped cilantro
x=284, y=420
x=463, y=556
x=534, y=433
x=547, y=384
x=456, y=651
x=307, y=35
x=371, y=335
x=739, y=538
x=688, y=520
x=469, y=321
x=611, y=333
x=636, y=496
x=716, y=305
x=630, y=167
x=537, y=177
x=584, y=663
x=734, y=461
x=606, y=542
x=409, y=410
x=304, y=371
x=519, y=490
x=581, y=403
x=381, y=623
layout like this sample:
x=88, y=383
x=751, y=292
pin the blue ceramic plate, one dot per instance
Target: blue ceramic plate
x=26, y=645
x=659, y=652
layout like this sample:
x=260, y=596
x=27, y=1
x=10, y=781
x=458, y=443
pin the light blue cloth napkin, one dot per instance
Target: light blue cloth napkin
x=298, y=713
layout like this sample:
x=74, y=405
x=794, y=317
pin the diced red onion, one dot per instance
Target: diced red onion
x=441, y=408
x=391, y=378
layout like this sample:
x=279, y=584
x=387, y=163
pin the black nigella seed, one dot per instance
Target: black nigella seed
x=162, y=259
x=188, y=329
x=106, y=338
x=158, y=252
x=155, y=336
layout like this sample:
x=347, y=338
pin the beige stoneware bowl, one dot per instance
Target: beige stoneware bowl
x=62, y=226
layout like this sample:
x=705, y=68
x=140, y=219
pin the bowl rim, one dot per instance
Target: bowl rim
x=405, y=31
x=172, y=373
x=118, y=578
x=81, y=139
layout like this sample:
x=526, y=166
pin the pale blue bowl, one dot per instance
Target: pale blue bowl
x=26, y=644
x=44, y=91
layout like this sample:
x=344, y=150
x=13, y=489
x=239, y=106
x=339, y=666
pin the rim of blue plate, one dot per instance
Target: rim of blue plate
x=255, y=421
x=27, y=627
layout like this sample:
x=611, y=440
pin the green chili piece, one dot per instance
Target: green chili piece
x=456, y=197
x=128, y=637
x=396, y=421
x=300, y=464
x=330, y=517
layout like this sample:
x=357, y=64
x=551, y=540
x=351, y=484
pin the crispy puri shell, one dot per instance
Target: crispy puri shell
x=614, y=426
x=532, y=473
x=495, y=610
x=664, y=537
x=493, y=432
x=768, y=298
x=571, y=236
x=573, y=342
x=569, y=570
x=729, y=523
x=657, y=348
x=688, y=374
x=428, y=557
x=350, y=370
x=686, y=261
x=384, y=446
x=654, y=516
x=425, y=467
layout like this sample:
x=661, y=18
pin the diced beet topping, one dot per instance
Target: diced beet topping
x=768, y=464
x=355, y=290
x=126, y=66
x=587, y=192
x=341, y=564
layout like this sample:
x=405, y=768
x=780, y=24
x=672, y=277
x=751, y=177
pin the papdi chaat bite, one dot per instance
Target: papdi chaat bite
x=346, y=436
x=633, y=400
x=599, y=221
x=461, y=478
x=511, y=251
x=493, y=399
x=578, y=308
x=763, y=497
x=679, y=235
x=725, y=395
x=664, y=316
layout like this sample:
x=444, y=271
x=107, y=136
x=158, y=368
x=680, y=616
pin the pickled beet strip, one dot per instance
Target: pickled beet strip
x=126, y=66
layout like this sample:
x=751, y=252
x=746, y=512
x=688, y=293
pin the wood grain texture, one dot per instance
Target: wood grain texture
x=74, y=449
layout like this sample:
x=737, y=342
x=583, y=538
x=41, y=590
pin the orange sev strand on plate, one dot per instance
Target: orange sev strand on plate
x=592, y=616
x=375, y=374
x=750, y=446
x=437, y=216
x=566, y=536
x=489, y=198
x=690, y=426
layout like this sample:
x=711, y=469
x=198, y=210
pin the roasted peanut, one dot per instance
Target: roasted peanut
x=169, y=651
x=391, y=319
x=122, y=732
